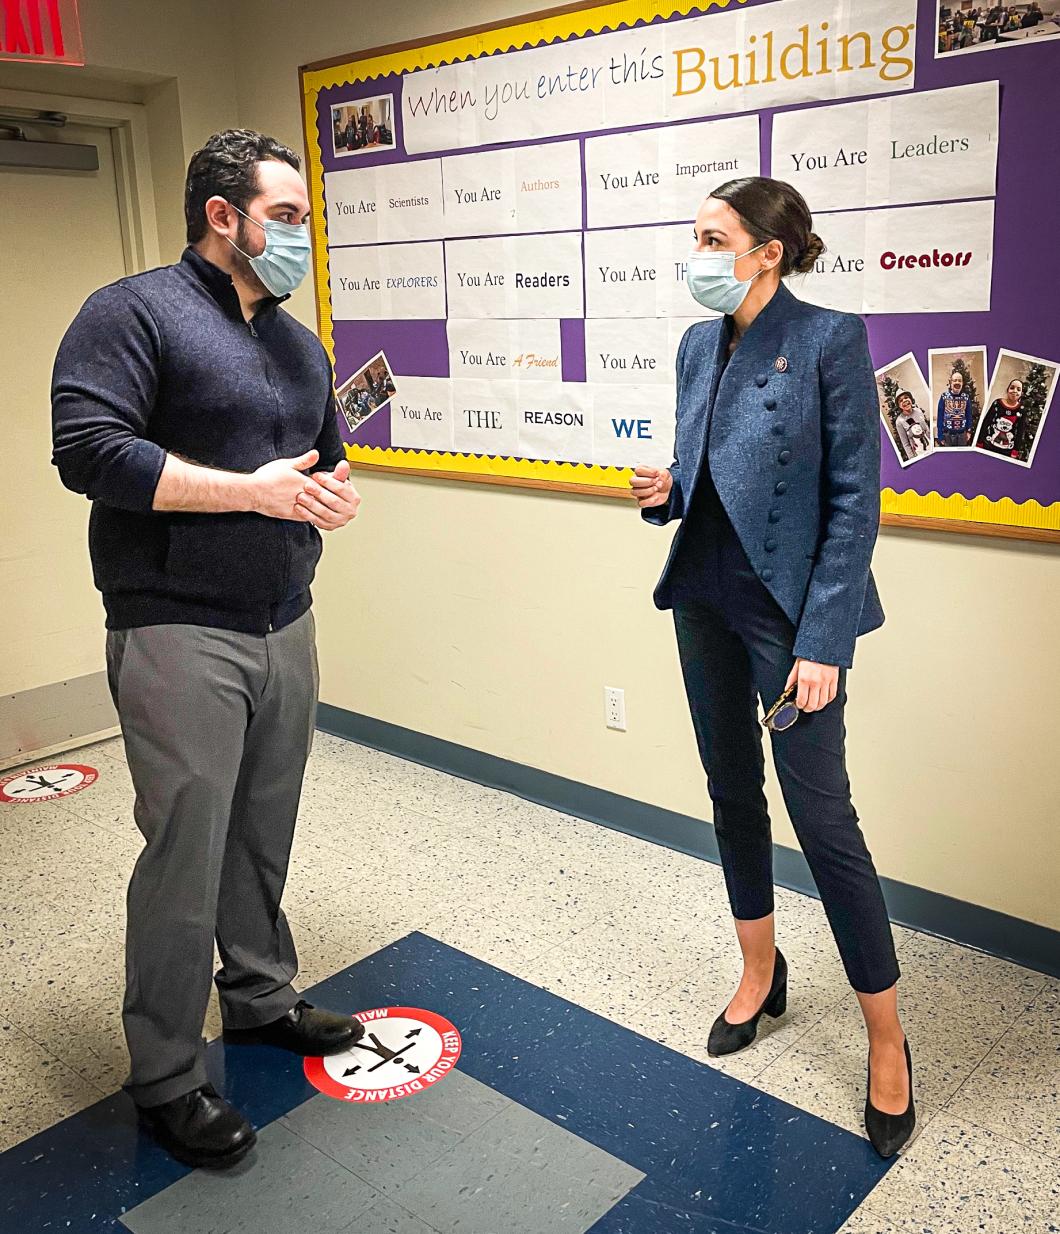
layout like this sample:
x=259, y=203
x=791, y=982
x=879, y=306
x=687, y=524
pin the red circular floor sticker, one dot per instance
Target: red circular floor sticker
x=46, y=783
x=403, y=1051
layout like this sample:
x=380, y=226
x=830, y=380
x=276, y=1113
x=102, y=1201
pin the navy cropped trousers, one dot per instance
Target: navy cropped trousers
x=736, y=646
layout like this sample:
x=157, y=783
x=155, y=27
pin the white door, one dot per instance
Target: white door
x=60, y=239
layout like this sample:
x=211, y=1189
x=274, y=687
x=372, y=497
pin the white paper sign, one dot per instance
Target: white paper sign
x=632, y=425
x=515, y=276
x=837, y=280
x=518, y=350
x=352, y=206
x=484, y=417
x=555, y=421
x=739, y=60
x=639, y=272
x=529, y=189
x=421, y=413
x=662, y=175
x=930, y=259
x=625, y=351
x=392, y=201
x=921, y=259
x=388, y=282
x=940, y=145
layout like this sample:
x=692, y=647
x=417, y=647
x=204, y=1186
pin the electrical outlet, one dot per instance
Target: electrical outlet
x=615, y=708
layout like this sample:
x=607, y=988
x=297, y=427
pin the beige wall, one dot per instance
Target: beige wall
x=174, y=58
x=494, y=617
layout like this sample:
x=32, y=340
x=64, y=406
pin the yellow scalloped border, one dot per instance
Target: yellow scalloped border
x=517, y=35
x=1003, y=513
x=499, y=467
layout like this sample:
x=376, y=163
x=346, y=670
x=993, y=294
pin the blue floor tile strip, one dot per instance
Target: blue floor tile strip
x=720, y=1157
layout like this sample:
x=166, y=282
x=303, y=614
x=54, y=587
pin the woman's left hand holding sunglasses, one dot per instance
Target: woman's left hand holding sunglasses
x=817, y=684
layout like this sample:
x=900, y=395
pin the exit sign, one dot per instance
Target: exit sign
x=41, y=32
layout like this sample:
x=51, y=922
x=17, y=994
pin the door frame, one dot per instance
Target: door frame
x=32, y=726
x=127, y=123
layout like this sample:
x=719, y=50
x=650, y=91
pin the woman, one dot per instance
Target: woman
x=911, y=425
x=776, y=484
x=1003, y=430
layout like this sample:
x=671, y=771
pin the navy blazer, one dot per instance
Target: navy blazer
x=794, y=435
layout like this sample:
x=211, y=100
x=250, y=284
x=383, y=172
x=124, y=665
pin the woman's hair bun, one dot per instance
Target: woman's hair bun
x=814, y=248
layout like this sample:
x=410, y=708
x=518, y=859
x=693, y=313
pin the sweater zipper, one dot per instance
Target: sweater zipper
x=283, y=530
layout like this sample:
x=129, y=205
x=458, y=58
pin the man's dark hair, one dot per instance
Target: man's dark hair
x=227, y=166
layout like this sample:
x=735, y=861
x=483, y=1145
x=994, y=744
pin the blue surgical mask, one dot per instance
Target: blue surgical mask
x=284, y=262
x=712, y=280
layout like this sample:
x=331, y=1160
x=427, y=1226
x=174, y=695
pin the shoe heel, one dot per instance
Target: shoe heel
x=778, y=1004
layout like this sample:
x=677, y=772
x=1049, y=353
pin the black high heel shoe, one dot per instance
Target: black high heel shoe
x=889, y=1132
x=726, y=1038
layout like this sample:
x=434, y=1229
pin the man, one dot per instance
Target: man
x=189, y=406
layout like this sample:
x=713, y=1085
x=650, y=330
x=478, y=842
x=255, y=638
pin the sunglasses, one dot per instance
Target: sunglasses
x=784, y=712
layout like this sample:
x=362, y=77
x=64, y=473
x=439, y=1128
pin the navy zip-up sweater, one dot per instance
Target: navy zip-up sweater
x=164, y=362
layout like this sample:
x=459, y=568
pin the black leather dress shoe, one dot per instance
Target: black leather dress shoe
x=304, y=1030
x=200, y=1129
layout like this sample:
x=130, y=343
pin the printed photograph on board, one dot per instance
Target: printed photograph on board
x=905, y=409
x=366, y=392
x=362, y=126
x=1021, y=390
x=963, y=26
x=958, y=387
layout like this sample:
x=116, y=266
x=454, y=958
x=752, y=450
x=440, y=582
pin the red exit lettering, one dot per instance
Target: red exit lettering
x=41, y=30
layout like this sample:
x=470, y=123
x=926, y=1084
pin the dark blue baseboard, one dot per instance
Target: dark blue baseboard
x=972, y=925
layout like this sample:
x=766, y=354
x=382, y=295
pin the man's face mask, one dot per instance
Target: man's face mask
x=284, y=262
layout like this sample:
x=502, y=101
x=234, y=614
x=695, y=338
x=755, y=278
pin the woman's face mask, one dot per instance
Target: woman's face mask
x=284, y=262
x=711, y=278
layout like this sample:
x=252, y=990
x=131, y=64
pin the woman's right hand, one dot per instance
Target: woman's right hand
x=651, y=486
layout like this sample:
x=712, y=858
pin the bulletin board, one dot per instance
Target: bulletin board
x=501, y=216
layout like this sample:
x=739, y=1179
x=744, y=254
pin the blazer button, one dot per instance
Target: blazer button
x=771, y=546
x=784, y=457
x=767, y=575
x=774, y=516
x=781, y=488
x=778, y=429
x=761, y=380
x=771, y=404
